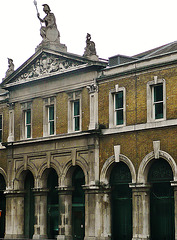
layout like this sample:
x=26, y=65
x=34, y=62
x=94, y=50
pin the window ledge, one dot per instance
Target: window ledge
x=143, y=126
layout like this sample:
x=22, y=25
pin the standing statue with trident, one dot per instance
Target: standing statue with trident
x=49, y=32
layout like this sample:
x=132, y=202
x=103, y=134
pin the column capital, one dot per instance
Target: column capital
x=40, y=191
x=65, y=190
x=140, y=187
x=174, y=184
x=12, y=193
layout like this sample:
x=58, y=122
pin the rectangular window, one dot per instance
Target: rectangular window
x=28, y=123
x=158, y=101
x=51, y=121
x=76, y=117
x=118, y=108
x=49, y=116
x=0, y=128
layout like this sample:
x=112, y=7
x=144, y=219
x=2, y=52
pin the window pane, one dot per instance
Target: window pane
x=0, y=135
x=119, y=100
x=52, y=128
x=0, y=121
x=158, y=110
x=51, y=112
x=158, y=93
x=0, y=128
x=119, y=117
x=76, y=108
x=28, y=116
x=28, y=129
x=77, y=123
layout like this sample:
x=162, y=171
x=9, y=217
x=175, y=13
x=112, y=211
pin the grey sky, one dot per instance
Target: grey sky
x=123, y=27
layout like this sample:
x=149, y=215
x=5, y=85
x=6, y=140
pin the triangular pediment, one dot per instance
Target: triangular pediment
x=43, y=65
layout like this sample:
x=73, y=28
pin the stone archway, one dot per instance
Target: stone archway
x=161, y=200
x=108, y=165
x=142, y=193
x=107, y=207
x=148, y=160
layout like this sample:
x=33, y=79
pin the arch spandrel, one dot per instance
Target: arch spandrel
x=109, y=164
x=147, y=162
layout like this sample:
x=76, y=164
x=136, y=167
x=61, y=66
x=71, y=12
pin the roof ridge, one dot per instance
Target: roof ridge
x=159, y=49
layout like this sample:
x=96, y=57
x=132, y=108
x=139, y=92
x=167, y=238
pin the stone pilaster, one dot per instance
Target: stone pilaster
x=93, y=92
x=40, y=226
x=14, y=214
x=11, y=123
x=97, y=214
x=141, y=211
x=174, y=184
x=65, y=214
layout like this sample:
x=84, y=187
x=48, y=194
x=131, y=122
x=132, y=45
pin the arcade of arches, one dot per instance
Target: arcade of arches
x=119, y=208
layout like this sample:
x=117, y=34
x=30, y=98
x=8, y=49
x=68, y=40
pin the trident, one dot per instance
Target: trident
x=35, y=3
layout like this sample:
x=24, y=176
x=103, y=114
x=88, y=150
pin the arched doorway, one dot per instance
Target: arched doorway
x=161, y=201
x=29, y=205
x=78, y=204
x=2, y=206
x=52, y=205
x=121, y=202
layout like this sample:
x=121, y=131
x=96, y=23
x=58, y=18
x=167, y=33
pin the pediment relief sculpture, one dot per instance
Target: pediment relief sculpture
x=47, y=64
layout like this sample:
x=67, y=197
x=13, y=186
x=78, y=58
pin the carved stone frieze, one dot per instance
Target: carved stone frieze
x=45, y=65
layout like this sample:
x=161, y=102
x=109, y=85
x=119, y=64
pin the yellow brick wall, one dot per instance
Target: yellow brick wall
x=85, y=110
x=136, y=95
x=61, y=113
x=17, y=121
x=37, y=118
x=136, y=145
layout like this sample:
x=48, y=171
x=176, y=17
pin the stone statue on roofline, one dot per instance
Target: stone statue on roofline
x=49, y=31
x=10, y=69
x=90, y=50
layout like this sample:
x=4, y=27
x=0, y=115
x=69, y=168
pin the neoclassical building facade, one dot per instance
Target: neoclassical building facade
x=88, y=147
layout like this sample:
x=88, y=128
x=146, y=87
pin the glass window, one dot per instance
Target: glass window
x=76, y=115
x=118, y=108
x=0, y=128
x=158, y=101
x=28, y=123
x=51, y=119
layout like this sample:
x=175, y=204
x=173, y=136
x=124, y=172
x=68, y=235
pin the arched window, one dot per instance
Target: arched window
x=78, y=204
x=52, y=204
x=161, y=201
x=29, y=205
x=121, y=202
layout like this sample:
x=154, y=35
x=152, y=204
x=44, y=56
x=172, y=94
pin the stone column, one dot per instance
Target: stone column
x=11, y=123
x=40, y=225
x=174, y=184
x=141, y=211
x=65, y=213
x=14, y=214
x=97, y=214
